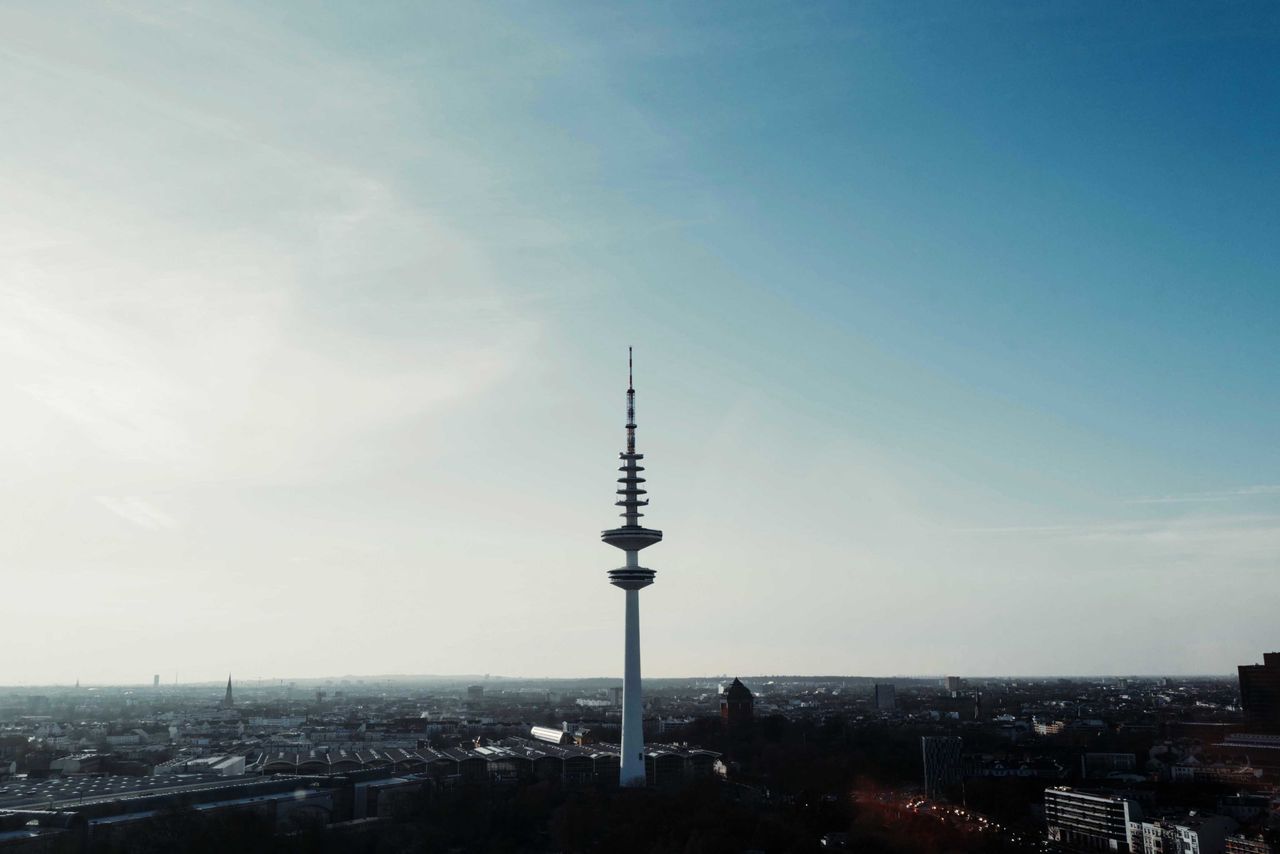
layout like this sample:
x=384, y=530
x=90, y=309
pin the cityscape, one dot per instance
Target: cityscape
x=949, y=336
x=1135, y=764
x=1142, y=765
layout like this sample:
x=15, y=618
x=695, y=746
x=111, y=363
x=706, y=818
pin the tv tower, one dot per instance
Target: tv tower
x=631, y=538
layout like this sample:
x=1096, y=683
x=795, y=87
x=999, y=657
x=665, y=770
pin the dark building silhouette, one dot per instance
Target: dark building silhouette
x=736, y=704
x=1260, y=690
x=942, y=771
x=227, y=702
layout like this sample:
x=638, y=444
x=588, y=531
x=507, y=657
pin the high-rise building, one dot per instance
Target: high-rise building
x=227, y=702
x=736, y=704
x=942, y=772
x=886, y=697
x=952, y=683
x=155, y=681
x=1260, y=690
x=1085, y=821
x=632, y=577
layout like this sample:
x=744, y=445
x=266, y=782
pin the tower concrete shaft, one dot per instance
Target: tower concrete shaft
x=631, y=764
x=632, y=577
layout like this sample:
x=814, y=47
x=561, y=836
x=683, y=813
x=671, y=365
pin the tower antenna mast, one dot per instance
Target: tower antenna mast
x=632, y=578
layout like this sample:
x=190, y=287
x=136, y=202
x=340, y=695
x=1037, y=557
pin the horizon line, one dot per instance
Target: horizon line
x=476, y=677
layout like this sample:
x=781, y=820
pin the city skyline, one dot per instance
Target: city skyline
x=260, y=682
x=958, y=324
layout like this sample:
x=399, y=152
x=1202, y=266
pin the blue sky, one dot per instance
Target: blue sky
x=955, y=328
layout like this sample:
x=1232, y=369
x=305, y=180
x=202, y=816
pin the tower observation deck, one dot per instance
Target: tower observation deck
x=631, y=537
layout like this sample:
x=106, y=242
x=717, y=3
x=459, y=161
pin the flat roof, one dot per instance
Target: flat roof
x=77, y=791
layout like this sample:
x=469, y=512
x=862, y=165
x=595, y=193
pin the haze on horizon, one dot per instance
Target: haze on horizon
x=955, y=328
x=355, y=683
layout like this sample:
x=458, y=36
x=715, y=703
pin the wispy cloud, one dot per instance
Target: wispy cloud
x=1201, y=543
x=1239, y=493
x=138, y=511
x=190, y=313
x=1121, y=527
x=254, y=285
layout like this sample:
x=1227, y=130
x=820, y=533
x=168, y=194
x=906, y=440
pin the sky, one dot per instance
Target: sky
x=955, y=330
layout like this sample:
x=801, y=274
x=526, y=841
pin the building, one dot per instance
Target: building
x=886, y=698
x=1086, y=821
x=942, y=768
x=1255, y=750
x=1242, y=843
x=1096, y=765
x=736, y=704
x=104, y=812
x=227, y=701
x=218, y=765
x=1244, y=807
x=952, y=683
x=507, y=761
x=551, y=735
x=76, y=763
x=1260, y=690
x=1188, y=834
x=1042, y=726
x=475, y=693
x=155, y=681
x=631, y=577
